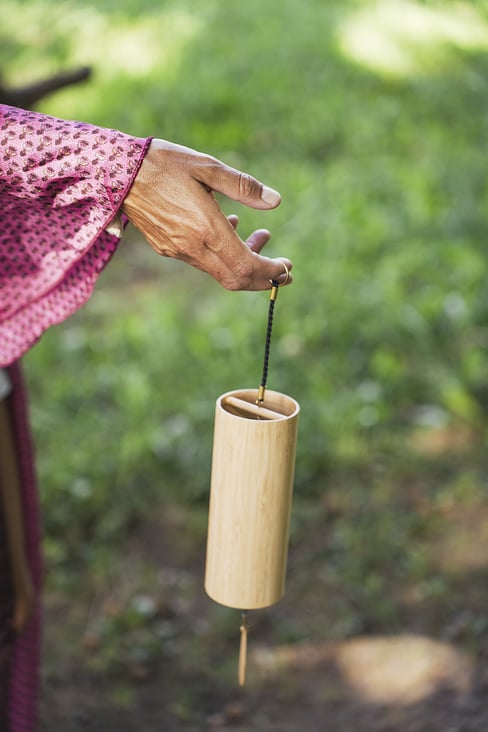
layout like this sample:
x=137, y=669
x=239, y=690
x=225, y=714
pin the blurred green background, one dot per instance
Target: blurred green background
x=371, y=119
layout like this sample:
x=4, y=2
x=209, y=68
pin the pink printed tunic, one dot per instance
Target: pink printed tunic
x=61, y=185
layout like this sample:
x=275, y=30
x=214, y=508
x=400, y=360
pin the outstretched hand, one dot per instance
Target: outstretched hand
x=171, y=202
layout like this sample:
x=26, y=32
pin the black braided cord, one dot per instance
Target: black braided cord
x=267, y=346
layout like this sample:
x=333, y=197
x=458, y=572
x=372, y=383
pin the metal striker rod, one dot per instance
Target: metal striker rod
x=243, y=649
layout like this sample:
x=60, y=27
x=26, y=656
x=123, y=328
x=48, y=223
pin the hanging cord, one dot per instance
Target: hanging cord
x=272, y=300
x=264, y=378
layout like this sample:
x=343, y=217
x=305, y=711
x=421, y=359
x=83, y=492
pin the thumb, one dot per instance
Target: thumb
x=239, y=186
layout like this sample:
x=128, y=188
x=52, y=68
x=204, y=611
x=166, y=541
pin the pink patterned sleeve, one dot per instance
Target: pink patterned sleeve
x=61, y=184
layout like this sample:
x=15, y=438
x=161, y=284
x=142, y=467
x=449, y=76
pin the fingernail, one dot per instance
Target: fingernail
x=270, y=196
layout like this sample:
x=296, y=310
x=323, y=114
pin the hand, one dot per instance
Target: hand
x=171, y=202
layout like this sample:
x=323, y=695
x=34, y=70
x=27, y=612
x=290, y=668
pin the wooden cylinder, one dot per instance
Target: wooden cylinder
x=253, y=466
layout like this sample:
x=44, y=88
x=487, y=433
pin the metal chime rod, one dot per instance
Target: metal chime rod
x=243, y=649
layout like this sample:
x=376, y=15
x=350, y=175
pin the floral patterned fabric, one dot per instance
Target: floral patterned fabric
x=61, y=184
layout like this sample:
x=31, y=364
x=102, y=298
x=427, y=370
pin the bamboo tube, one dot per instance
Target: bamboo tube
x=250, y=500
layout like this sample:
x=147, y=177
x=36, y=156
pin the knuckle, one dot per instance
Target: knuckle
x=232, y=285
x=241, y=277
x=207, y=162
x=244, y=272
x=248, y=186
x=211, y=160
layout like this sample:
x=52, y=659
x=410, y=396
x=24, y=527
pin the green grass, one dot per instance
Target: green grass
x=383, y=335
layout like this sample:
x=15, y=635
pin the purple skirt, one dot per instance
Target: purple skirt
x=19, y=656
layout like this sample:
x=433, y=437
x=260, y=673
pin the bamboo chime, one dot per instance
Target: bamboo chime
x=253, y=465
